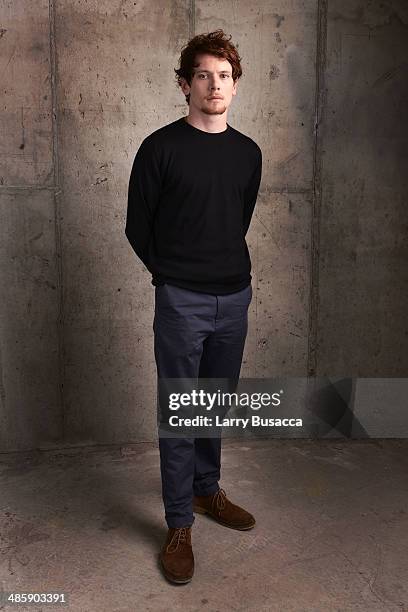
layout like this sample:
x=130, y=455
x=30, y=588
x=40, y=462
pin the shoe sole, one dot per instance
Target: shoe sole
x=199, y=510
x=171, y=579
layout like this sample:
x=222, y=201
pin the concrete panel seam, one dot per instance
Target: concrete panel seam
x=13, y=188
x=287, y=189
x=191, y=21
x=57, y=215
x=320, y=98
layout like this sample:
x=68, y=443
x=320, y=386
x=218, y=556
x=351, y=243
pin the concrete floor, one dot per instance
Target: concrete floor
x=331, y=533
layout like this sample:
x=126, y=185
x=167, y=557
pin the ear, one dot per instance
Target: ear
x=185, y=87
x=234, y=88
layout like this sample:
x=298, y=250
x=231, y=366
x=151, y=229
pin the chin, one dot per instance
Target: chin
x=214, y=111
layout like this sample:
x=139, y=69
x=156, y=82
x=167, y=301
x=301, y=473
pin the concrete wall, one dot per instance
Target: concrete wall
x=31, y=409
x=360, y=315
x=83, y=82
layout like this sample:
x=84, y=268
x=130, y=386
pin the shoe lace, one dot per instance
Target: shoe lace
x=180, y=535
x=220, y=499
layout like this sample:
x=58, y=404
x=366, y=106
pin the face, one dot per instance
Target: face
x=212, y=77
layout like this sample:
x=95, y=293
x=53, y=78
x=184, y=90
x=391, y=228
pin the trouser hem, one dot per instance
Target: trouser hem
x=175, y=523
x=207, y=491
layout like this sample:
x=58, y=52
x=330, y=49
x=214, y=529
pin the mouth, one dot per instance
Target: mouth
x=214, y=98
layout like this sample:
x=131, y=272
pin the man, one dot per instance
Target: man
x=192, y=192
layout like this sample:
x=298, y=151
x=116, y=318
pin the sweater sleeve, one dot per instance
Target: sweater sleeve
x=251, y=192
x=143, y=198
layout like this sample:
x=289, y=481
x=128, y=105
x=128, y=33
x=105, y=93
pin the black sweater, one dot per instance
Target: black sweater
x=190, y=202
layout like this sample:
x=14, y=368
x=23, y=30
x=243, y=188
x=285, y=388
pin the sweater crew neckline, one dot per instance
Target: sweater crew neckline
x=210, y=134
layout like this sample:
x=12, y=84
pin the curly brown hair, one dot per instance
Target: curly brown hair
x=213, y=43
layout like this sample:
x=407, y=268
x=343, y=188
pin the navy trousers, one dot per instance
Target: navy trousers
x=195, y=335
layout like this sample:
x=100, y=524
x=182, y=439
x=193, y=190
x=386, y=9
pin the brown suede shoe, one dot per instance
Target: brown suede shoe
x=176, y=556
x=223, y=511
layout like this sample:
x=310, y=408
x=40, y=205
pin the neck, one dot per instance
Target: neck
x=208, y=123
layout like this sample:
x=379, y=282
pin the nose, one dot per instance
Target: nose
x=215, y=83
